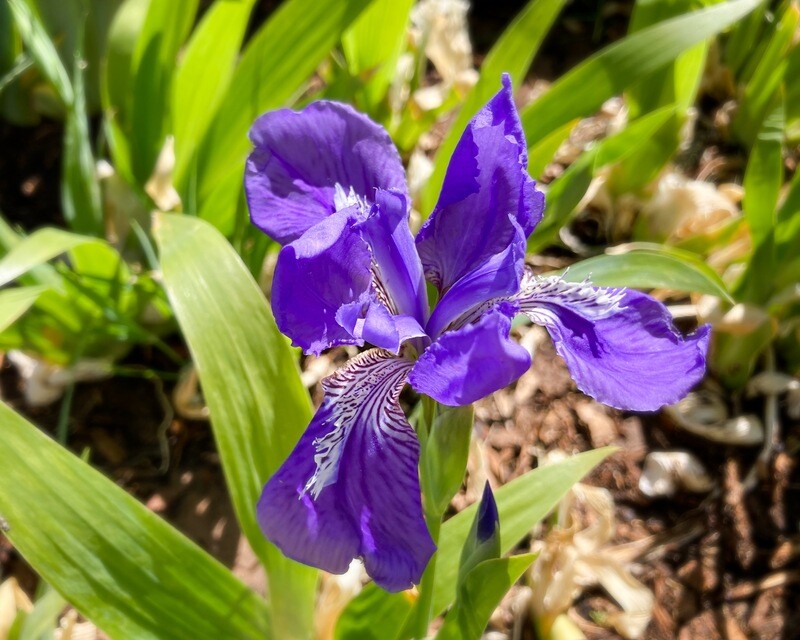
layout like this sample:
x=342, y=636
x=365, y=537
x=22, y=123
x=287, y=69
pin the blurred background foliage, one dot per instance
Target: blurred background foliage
x=153, y=100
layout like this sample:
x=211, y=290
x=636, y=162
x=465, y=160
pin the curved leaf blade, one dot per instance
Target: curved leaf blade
x=251, y=383
x=609, y=72
x=654, y=267
x=118, y=563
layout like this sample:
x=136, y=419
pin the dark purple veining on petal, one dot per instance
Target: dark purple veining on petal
x=351, y=487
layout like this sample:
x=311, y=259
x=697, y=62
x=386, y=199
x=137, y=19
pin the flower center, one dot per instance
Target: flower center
x=343, y=199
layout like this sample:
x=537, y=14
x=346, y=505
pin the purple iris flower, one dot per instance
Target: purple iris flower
x=328, y=184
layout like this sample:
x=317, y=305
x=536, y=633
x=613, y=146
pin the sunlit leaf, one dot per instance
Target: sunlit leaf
x=277, y=62
x=164, y=30
x=251, y=385
x=566, y=192
x=650, y=267
x=15, y=302
x=373, y=614
x=373, y=44
x=118, y=563
x=38, y=248
x=203, y=76
x=607, y=73
x=480, y=595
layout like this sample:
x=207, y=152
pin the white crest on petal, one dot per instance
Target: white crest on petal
x=364, y=392
x=342, y=199
x=538, y=294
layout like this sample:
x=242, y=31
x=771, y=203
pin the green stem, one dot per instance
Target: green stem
x=423, y=610
x=417, y=626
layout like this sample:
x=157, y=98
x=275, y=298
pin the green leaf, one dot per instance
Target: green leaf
x=373, y=45
x=117, y=79
x=480, y=595
x=615, y=68
x=764, y=177
x=650, y=267
x=14, y=302
x=762, y=184
x=787, y=230
x=203, y=75
x=522, y=503
x=791, y=84
x=165, y=27
x=277, y=62
x=445, y=459
x=44, y=617
x=39, y=247
x=543, y=152
x=758, y=99
x=563, y=195
x=676, y=83
x=373, y=615
x=80, y=191
x=513, y=54
x=118, y=563
x=251, y=383
x=41, y=48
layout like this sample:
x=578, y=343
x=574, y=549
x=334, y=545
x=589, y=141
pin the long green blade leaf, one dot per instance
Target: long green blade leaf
x=609, y=72
x=38, y=248
x=15, y=302
x=118, y=563
x=373, y=44
x=41, y=47
x=650, y=268
x=251, y=384
x=165, y=28
x=203, y=76
x=481, y=593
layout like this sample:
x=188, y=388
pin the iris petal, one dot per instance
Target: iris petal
x=488, y=201
x=620, y=345
x=300, y=157
x=351, y=487
x=466, y=364
x=327, y=268
x=398, y=268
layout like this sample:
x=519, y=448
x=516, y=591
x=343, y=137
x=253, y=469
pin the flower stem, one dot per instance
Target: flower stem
x=419, y=621
x=423, y=612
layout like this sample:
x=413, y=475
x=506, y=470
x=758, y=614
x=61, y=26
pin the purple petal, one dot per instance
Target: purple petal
x=476, y=291
x=399, y=270
x=300, y=157
x=488, y=201
x=466, y=364
x=368, y=320
x=351, y=487
x=327, y=268
x=620, y=345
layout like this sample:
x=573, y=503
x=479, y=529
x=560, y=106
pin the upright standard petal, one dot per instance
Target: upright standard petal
x=351, y=488
x=324, y=291
x=466, y=364
x=398, y=269
x=620, y=345
x=488, y=201
x=326, y=269
x=299, y=159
